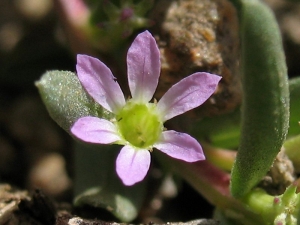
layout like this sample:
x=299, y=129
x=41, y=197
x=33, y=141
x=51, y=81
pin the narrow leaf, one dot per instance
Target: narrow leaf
x=265, y=110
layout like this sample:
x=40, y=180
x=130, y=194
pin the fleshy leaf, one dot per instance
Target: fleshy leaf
x=265, y=109
x=66, y=100
x=98, y=185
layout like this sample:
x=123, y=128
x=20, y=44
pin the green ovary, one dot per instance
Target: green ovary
x=139, y=124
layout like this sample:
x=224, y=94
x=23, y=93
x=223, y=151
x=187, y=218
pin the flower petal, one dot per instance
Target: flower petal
x=143, y=62
x=187, y=94
x=95, y=130
x=180, y=146
x=132, y=164
x=99, y=82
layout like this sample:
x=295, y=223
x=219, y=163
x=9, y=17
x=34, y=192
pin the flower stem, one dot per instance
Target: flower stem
x=213, y=184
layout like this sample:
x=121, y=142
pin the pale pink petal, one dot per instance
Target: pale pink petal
x=132, y=164
x=180, y=146
x=99, y=82
x=187, y=94
x=143, y=64
x=95, y=130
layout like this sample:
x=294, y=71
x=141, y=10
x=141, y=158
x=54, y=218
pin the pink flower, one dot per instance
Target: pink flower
x=138, y=123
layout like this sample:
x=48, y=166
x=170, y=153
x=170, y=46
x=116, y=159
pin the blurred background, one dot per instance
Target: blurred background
x=34, y=151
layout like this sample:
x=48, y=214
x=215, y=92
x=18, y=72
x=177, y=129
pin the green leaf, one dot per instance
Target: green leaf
x=66, y=100
x=265, y=109
x=96, y=182
x=98, y=185
x=294, y=128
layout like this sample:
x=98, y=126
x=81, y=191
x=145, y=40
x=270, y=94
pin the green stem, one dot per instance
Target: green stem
x=282, y=209
x=213, y=184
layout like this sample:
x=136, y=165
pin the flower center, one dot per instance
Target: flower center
x=139, y=124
